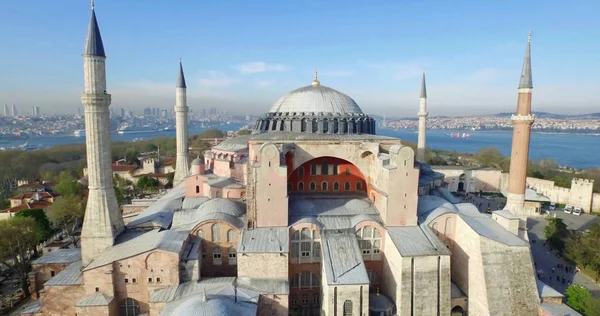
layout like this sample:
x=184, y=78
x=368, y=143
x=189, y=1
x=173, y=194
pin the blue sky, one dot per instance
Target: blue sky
x=242, y=55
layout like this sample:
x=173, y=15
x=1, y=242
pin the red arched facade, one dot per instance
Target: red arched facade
x=340, y=176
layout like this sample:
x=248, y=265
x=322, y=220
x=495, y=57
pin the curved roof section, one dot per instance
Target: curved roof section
x=239, y=143
x=318, y=99
x=200, y=306
x=197, y=162
x=186, y=220
x=224, y=206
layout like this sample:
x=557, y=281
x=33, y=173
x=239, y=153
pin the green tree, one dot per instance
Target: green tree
x=18, y=236
x=67, y=213
x=489, y=157
x=580, y=299
x=67, y=185
x=39, y=215
x=244, y=131
x=119, y=195
x=210, y=133
x=556, y=233
x=147, y=183
x=131, y=156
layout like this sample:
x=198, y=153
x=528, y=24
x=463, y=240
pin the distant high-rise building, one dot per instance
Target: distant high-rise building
x=147, y=112
x=203, y=113
x=78, y=111
x=6, y=111
x=14, y=111
x=35, y=111
x=122, y=113
x=163, y=113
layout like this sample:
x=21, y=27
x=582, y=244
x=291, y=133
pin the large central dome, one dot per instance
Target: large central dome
x=318, y=99
x=316, y=109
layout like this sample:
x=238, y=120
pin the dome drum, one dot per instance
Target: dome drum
x=343, y=124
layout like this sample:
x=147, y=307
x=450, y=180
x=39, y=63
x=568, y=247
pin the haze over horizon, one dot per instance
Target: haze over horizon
x=241, y=56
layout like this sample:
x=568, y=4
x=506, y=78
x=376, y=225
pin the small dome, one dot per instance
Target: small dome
x=198, y=306
x=197, y=162
x=318, y=99
x=224, y=206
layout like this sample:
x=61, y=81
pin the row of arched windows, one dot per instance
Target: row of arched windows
x=305, y=280
x=218, y=256
x=216, y=234
x=312, y=186
x=306, y=246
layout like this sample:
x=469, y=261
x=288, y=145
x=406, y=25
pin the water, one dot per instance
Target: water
x=579, y=151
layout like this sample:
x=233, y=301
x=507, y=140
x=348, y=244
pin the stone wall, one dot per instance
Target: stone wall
x=60, y=300
x=339, y=295
x=579, y=195
x=472, y=179
x=596, y=202
x=253, y=265
x=273, y=304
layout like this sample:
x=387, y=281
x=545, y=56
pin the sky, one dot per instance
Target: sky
x=241, y=55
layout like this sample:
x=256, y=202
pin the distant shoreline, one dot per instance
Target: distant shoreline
x=494, y=131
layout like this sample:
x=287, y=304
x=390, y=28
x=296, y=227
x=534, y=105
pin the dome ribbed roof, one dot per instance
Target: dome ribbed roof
x=198, y=307
x=224, y=206
x=316, y=98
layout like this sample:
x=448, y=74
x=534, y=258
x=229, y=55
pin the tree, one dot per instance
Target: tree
x=67, y=213
x=18, y=236
x=118, y=195
x=580, y=299
x=40, y=218
x=67, y=185
x=131, y=156
x=211, y=133
x=556, y=233
x=244, y=131
x=489, y=157
x=147, y=183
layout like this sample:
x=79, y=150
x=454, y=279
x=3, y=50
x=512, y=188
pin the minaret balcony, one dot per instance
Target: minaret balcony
x=422, y=114
x=523, y=118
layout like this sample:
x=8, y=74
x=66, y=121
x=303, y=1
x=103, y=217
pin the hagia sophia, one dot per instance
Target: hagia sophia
x=311, y=214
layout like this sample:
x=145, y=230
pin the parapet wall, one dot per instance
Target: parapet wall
x=579, y=195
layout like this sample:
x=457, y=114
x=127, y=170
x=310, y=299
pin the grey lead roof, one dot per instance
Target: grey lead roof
x=554, y=309
x=93, y=41
x=264, y=240
x=181, y=78
x=342, y=259
x=32, y=308
x=423, y=88
x=526, y=80
x=238, y=143
x=416, y=241
x=60, y=256
x=131, y=244
x=544, y=290
x=71, y=275
x=315, y=98
x=96, y=299
x=161, y=212
x=266, y=286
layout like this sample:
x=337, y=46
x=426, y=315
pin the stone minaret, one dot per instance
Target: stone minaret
x=103, y=221
x=522, y=122
x=182, y=166
x=422, y=122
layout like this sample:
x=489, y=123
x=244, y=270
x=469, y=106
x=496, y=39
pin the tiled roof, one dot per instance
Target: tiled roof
x=123, y=168
x=25, y=206
x=29, y=195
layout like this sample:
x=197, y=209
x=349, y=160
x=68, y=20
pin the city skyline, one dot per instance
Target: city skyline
x=241, y=57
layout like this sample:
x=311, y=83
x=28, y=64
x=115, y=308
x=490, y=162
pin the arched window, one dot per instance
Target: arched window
x=448, y=226
x=232, y=253
x=217, y=260
x=369, y=241
x=306, y=246
x=335, y=168
x=301, y=172
x=300, y=186
x=348, y=308
x=325, y=125
x=359, y=186
x=305, y=280
x=347, y=186
x=315, y=126
x=324, y=186
x=324, y=167
x=303, y=126
x=313, y=168
x=216, y=232
x=200, y=233
x=336, y=186
x=230, y=235
x=289, y=187
x=197, y=189
x=130, y=307
x=313, y=186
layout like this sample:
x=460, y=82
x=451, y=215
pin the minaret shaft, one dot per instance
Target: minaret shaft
x=103, y=221
x=182, y=166
x=422, y=123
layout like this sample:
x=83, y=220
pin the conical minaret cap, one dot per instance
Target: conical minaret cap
x=423, y=88
x=181, y=78
x=93, y=42
x=526, y=81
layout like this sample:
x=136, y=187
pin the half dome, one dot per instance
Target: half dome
x=224, y=206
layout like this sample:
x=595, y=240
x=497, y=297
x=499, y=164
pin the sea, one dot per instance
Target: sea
x=574, y=150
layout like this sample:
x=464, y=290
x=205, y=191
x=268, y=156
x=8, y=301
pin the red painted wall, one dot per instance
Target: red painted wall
x=342, y=177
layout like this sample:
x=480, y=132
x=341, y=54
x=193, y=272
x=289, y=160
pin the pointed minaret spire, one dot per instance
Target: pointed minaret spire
x=93, y=42
x=181, y=78
x=423, y=87
x=526, y=82
x=422, y=114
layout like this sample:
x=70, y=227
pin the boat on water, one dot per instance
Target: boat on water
x=136, y=130
x=79, y=132
x=459, y=135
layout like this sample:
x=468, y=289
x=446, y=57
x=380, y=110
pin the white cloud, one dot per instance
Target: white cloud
x=257, y=67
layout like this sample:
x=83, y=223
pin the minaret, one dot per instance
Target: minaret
x=182, y=166
x=522, y=122
x=103, y=221
x=422, y=122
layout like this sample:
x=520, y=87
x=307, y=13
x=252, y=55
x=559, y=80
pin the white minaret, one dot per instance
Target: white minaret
x=182, y=166
x=103, y=221
x=422, y=122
